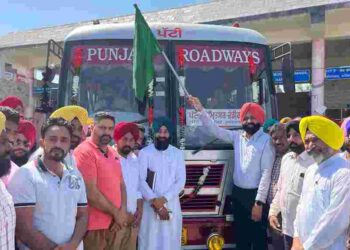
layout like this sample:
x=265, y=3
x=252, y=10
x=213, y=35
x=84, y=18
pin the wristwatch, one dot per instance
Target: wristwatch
x=259, y=203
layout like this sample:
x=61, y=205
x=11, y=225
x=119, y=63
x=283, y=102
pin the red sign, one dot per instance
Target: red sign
x=170, y=33
x=228, y=56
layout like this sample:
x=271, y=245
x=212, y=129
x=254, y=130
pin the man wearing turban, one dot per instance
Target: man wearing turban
x=77, y=117
x=290, y=182
x=24, y=142
x=323, y=213
x=13, y=102
x=163, y=177
x=125, y=136
x=254, y=158
x=11, y=125
x=7, y=209
x=268, y=124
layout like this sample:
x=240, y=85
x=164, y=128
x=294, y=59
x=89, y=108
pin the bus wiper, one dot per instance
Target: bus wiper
x=140, y=121
x=212, y=142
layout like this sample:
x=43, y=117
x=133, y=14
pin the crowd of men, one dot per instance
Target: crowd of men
x=93, y=183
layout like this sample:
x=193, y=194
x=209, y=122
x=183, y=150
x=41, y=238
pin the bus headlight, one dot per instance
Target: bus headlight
x=215, y=242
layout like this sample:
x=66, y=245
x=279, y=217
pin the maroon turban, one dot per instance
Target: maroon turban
x=122, y=128
x=12, y=102
x=27, y=129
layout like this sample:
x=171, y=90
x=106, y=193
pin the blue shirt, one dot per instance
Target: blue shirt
x=254, y=157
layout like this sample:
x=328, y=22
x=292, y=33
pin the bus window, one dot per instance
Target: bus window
x=103, y=81
x=219, y=76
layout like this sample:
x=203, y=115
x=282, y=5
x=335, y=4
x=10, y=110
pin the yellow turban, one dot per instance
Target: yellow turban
x=90, y=121
x=326, y=130
x=2, y=122
x=285, y=120
x=70, y=112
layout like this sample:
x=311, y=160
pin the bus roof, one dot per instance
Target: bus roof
x=169, y=31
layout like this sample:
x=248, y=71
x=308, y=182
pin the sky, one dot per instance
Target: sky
x=18, y=15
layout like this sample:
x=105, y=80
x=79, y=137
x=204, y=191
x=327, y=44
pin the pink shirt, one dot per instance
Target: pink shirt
x=106, y=170
x=6, y=179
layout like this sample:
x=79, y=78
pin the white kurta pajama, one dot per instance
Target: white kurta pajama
x=170, y=178
x=323, y=213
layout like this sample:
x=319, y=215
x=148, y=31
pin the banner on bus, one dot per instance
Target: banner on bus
x=221, y=117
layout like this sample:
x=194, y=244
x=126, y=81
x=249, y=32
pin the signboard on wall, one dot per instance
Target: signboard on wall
x=337, y=73
x=300, y=76
x=304, y=76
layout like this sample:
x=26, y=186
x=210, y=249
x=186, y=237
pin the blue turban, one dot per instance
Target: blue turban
x=268, y=124
x=163, y=121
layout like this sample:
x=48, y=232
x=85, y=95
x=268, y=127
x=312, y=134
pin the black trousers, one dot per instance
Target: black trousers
x=288, y=242
x=249, y=235
x=276, y=237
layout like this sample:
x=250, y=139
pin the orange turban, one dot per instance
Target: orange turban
x=255, y=109
x=27, y=129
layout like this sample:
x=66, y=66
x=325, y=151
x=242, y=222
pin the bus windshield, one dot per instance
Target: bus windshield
x=102, y=81
x=219, y=76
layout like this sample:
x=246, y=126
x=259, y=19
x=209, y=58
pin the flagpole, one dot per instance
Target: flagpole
x=176, y=74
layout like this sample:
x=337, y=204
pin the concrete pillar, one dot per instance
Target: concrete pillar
x=318, y=74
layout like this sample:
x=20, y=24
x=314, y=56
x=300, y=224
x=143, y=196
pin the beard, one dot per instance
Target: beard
x=161, y=143
x=298, y=149
x=75, y=141
x=317, y=156
x=57, y=154
x=124, y=151
x=21, y=159
x=105, y=139
x=251, y=128
x=5, y=164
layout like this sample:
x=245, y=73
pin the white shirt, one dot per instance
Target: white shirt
x=55, y=201
x=131, y=174
x=323, y=213
x=6, y=179
x=69, y=159
x=7, y=219
x=254, y=157
x=289, y=187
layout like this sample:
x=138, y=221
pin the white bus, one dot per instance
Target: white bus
x=96, y=71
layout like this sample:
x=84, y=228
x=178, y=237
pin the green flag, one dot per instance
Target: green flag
x=146, y=47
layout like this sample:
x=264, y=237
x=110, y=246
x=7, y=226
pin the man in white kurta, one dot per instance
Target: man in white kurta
x=162, y=219
x=125, y=136
x=323, y=213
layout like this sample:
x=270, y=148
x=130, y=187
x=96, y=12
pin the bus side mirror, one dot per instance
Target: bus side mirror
x=48, y=75
x=288, y=74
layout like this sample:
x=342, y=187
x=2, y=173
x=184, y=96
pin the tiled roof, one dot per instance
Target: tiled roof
x=210, y=12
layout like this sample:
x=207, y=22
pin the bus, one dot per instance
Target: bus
x=96, y=73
